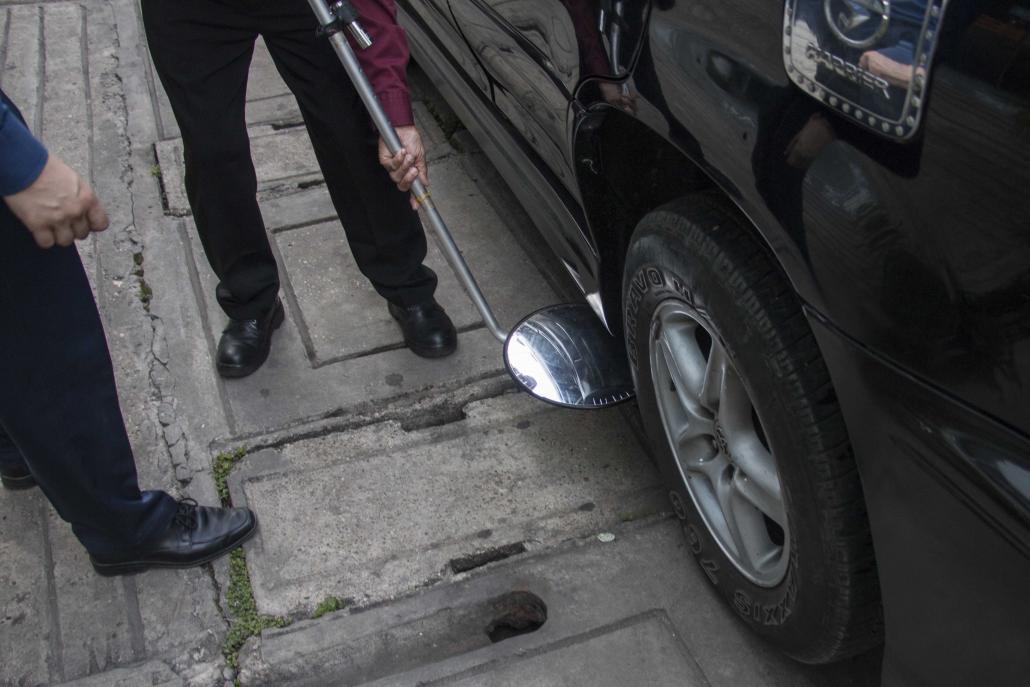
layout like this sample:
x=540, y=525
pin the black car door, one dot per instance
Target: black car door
x=536, y=53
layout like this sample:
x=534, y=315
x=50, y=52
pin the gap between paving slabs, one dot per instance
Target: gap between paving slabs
x=243, y=617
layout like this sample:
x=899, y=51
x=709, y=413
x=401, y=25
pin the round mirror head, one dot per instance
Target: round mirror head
x=564, y=355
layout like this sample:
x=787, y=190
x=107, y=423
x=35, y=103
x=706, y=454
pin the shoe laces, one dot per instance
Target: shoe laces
x=186, y=514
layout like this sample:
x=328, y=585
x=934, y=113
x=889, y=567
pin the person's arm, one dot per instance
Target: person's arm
x=385, y=64
x=53, y=202
x=22, y=157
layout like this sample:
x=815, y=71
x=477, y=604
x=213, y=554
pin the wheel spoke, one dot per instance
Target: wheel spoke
x=734, y=404
x=749, y=454
x=765, y=500
x=759, y=465
x=684, y=357
x=694, y=427
x=744, y=524
x=715, y=373
x=736, y=527
x=713, y=467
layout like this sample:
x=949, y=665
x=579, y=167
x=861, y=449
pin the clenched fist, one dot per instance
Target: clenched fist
x=58, y=207
x=409, y=163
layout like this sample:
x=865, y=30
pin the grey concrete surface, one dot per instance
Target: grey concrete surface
x=283, y=159
x=377, y=476
x=340, y=348
x=386, y=510
x=642, y=588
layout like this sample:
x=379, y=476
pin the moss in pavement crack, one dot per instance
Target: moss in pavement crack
x=328, y=605
x=146, y=294
x=221, y=468
x=244, y=619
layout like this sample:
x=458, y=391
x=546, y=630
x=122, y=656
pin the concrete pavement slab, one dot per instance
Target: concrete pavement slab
x=66, y=112
x=309, y=203
x=26, y=631
x=100, y=625
x=284, y=161
x=179, y=614
x=384, y=511
x=643, y=591
x=339, y=347
x=344, y=317
x=264, y=81
x=150, y=674
x=641, y=650
x=288, y=390
x=23, y=61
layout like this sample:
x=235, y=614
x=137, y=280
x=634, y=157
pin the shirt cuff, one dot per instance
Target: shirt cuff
x=397, y=105
x=22, y=157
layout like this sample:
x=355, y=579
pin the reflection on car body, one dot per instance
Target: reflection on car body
x=834, y=192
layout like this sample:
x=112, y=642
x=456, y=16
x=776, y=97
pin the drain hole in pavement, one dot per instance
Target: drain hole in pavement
x=516, y=613
x=480, y=558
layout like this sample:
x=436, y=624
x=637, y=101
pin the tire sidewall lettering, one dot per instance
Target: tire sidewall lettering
x=648, y=280
x=769, y=614
x=649, y=285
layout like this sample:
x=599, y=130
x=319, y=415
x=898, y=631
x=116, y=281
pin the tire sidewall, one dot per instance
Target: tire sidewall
x=663, y=265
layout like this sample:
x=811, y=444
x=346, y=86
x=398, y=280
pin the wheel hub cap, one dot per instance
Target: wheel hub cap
x=718, y=443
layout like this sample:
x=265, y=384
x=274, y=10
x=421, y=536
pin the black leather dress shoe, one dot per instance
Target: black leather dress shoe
x=428, y=331
x=244, y=345
x=17, y=478
x=196, y=535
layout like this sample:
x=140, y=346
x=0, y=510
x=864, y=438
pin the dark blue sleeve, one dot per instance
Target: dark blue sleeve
x=21, y=156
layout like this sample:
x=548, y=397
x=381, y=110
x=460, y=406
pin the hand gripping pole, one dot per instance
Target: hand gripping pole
x=341, y=14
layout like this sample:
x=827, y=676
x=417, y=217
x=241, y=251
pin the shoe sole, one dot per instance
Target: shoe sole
x=232, y=372
x=432, y=352
x=134, y=567
x=18, y=483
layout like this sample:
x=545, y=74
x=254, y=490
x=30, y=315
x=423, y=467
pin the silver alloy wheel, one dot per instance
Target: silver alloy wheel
x=718, y=442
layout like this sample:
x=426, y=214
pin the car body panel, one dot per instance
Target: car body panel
x=913, y=259
x=946, y=489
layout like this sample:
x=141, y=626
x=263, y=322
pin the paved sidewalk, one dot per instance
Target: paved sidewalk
x=420, y=521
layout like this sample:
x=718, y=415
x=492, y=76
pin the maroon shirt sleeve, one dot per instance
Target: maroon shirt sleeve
x=384, y=63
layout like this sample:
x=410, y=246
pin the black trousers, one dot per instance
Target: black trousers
x=59, y=413
x=202, y=51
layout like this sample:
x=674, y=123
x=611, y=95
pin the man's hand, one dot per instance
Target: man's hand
x=58, y=207
x=409, y=163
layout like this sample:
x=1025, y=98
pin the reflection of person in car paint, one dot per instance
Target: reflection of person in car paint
x=593, y=58
x=897, y=73
x=892, y=60
x=804, y=148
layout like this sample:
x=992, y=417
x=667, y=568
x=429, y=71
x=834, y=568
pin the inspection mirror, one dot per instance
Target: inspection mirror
x=564, y=355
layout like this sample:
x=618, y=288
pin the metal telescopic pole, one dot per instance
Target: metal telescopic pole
x=331, y=21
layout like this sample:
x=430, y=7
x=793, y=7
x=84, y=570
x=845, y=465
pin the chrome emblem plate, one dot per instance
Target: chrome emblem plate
x=868, y=59
x=858, y=23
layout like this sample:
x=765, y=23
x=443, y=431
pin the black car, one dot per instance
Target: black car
x=810, y=221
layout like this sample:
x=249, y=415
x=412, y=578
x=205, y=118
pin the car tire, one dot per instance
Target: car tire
x=712, y=325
